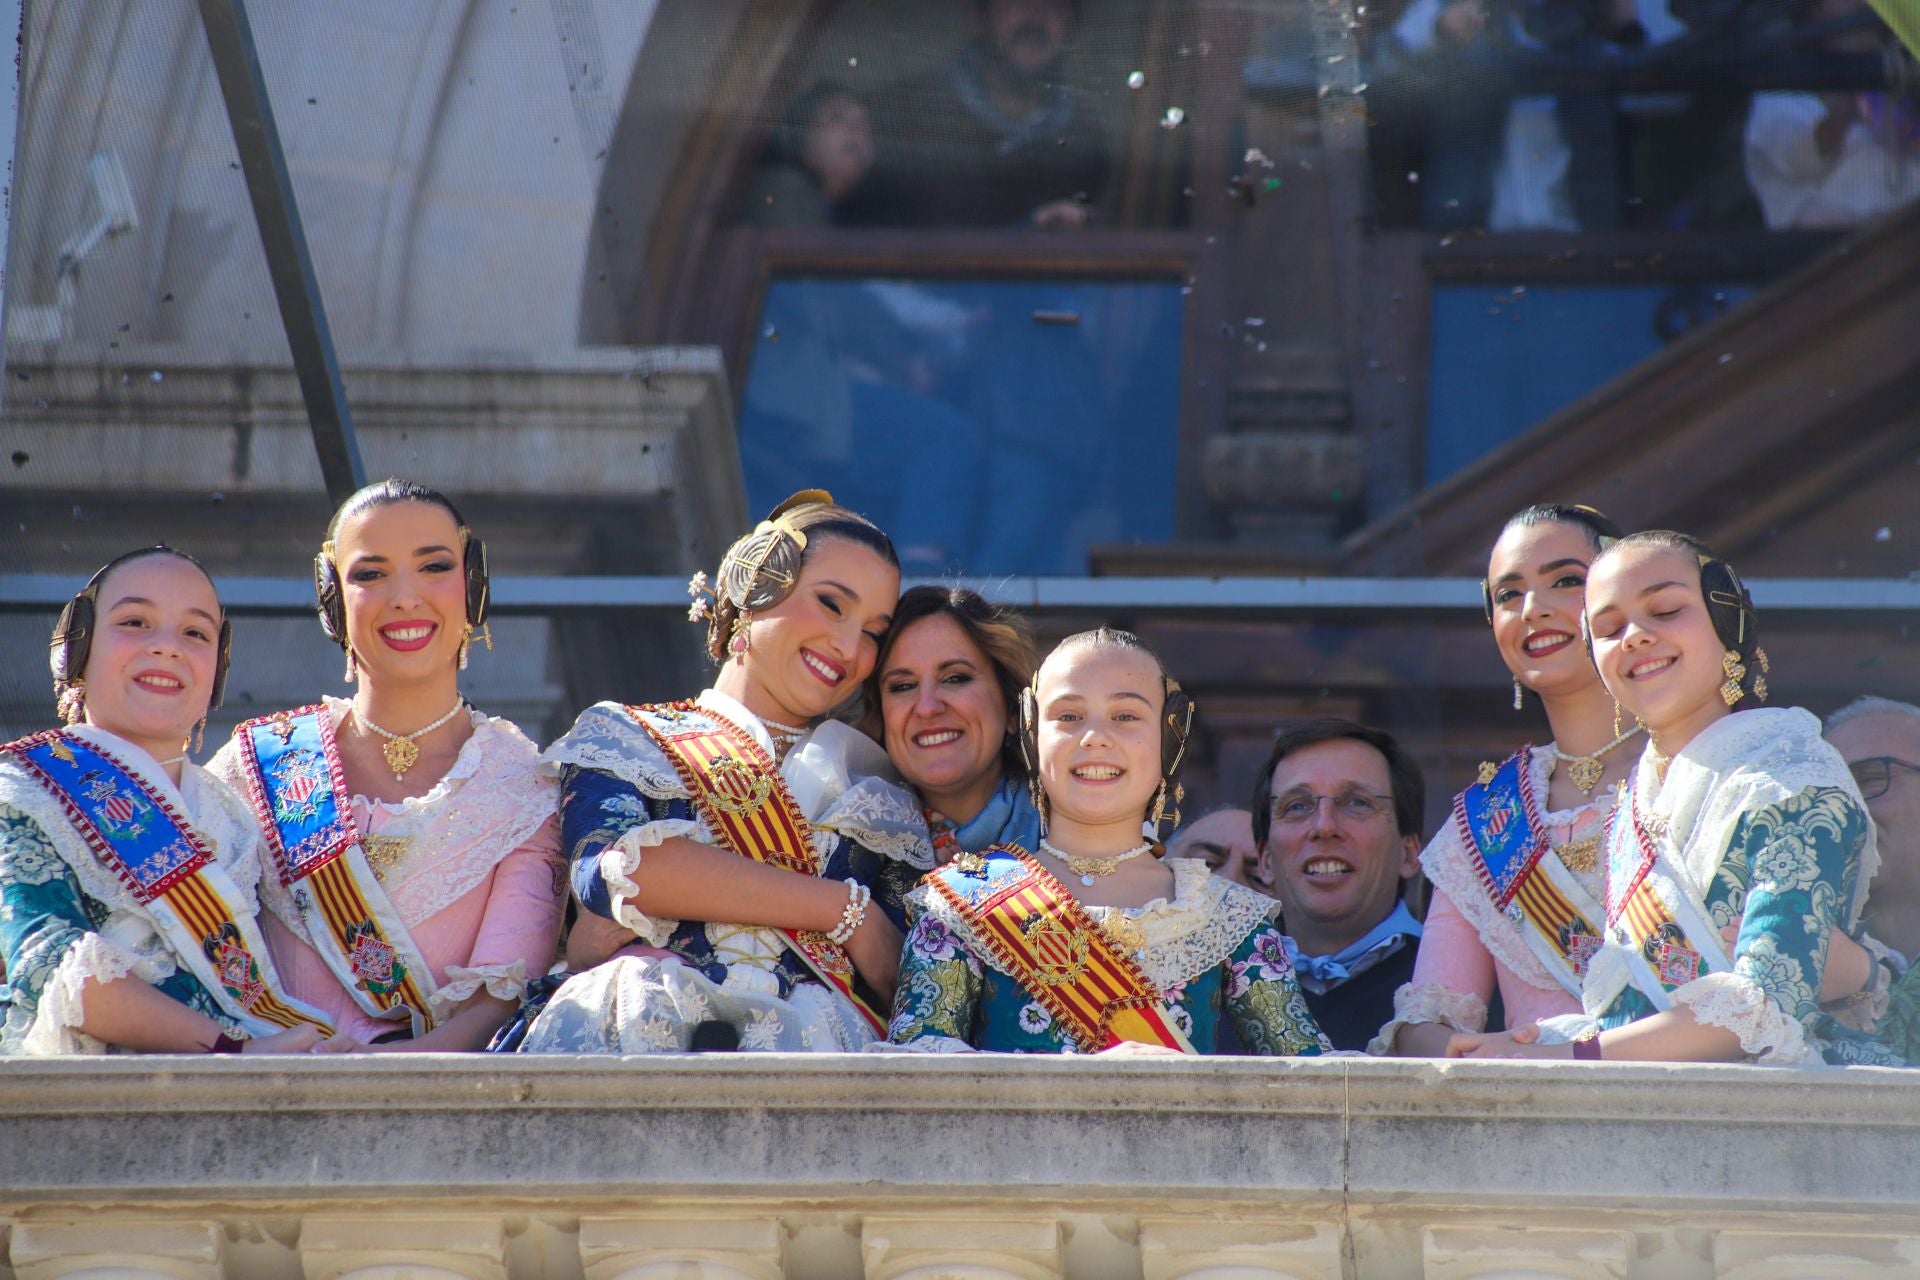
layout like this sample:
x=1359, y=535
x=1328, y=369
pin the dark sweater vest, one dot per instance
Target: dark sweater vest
x=1352, y=1013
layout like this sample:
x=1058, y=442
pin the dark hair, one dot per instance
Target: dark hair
x=1600, y=530
x=1409, y=787
x=1729, y=605
x=1002, y=634
x=789, y=141
x=386, y=492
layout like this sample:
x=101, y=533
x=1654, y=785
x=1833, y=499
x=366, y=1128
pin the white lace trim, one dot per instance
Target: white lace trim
x=1736, y=765
x=489, y=803
x=62, y=1008
x=841, y=780
x=921, y=1044
x=1450, y=866
x=502, y=981
x=1197, y=930
x=1739, y=1005
x=622, y=858
x=219, y=816
x=1430, y=1003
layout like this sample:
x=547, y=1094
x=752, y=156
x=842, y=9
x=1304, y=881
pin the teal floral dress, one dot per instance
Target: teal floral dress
x=1220, y=965
x=1756, y=824
x=64, y=918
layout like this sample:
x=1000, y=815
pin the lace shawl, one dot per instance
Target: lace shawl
x=1449, y=864
x=1739, y=764
x=129, y=940
x=1196, y=930
x=1429, y=1002
x=489, y=803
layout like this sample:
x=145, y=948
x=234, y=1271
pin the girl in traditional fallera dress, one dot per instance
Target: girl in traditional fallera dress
x=1091, y=942
x=1518, y=881
x=1735, y=817
x=413, y=878
x=127, y=907
x=740, y=860
x=947, y=686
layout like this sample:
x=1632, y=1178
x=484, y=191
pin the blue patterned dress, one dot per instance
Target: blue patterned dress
x=621, y=796
x=1211, y=949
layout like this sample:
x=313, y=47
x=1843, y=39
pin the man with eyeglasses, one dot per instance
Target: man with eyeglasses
x=1336, y=822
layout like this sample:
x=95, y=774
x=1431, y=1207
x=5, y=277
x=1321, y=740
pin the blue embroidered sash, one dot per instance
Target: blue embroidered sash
x=298, y=791
x=1506, y=838
x=135, y=833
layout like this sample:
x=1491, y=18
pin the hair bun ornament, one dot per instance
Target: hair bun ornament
x=761, y=569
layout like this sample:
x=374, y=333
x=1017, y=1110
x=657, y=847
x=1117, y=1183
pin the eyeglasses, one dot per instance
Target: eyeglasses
x=1355, y=806
x=1875, y=774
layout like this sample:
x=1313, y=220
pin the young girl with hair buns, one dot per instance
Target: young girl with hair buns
x=1092, y=942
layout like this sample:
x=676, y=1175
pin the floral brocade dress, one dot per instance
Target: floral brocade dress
x=1211, y=949
x=1756, y=823
x=66, y=918
x=622, y=797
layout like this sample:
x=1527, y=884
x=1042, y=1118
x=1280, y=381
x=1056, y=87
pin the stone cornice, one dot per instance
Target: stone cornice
x=1727, y=1139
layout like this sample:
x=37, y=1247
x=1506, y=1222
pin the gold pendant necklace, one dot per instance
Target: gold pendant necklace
x=1088, y=868
x=402, y=750
x=1584, y=771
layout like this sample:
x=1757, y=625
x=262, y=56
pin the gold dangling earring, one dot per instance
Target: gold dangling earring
x=1159, y=807
x=1616, y=719
x=200, y=736
x=466, y=643
x=1735, y=671
x=353, y=668
x=740, y=643
x=1760, y=681
x=1038, y=794
x=72, y=704
x=1519, y=694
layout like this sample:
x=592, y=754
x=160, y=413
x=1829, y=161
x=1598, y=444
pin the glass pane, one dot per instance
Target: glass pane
x=991, y=426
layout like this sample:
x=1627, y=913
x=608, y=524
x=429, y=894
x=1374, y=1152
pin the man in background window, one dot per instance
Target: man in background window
x=997, y=138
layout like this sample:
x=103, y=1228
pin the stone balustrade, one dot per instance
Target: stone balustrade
x=898, y=1167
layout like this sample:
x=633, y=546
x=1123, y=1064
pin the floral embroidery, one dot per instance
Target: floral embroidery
x=762, y=1032
x=1034, y=1018
x=27, y=857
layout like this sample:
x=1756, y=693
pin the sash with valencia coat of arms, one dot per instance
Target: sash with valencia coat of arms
x=1053, y=948
x=1499, y=823
x=740, y=795
x=298, y=792
x=172, y=873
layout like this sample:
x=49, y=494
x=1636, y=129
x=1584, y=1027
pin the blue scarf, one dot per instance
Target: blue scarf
x=1009, y=818
x=1321, y=974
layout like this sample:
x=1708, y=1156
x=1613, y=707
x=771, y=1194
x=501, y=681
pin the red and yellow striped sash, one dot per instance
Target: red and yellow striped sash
x=1044, y=937
x=1560, y=924
x=739, y=793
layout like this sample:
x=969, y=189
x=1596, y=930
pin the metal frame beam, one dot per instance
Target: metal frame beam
x=277, y=215
x=1863, y=600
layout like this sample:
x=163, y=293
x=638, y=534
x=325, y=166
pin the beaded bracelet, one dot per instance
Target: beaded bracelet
x=858, y=896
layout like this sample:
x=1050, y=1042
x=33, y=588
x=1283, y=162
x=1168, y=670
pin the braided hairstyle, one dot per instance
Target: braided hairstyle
x=762, y=568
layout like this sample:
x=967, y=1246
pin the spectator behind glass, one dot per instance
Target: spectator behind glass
x=1834, y=159
x=1336, y=820
x=998, y=138
x=817, y=161
x=1534, y=162
x=1224, y=838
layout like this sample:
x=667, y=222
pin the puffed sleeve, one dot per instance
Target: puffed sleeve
x=606, y=824
x=519, y=928
x=1797, y=861
x=1265, y=1001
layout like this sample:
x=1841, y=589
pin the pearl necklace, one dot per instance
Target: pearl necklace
x=1088, y=868
x=784, y=736
x=402, y=750
x=1584, y=771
